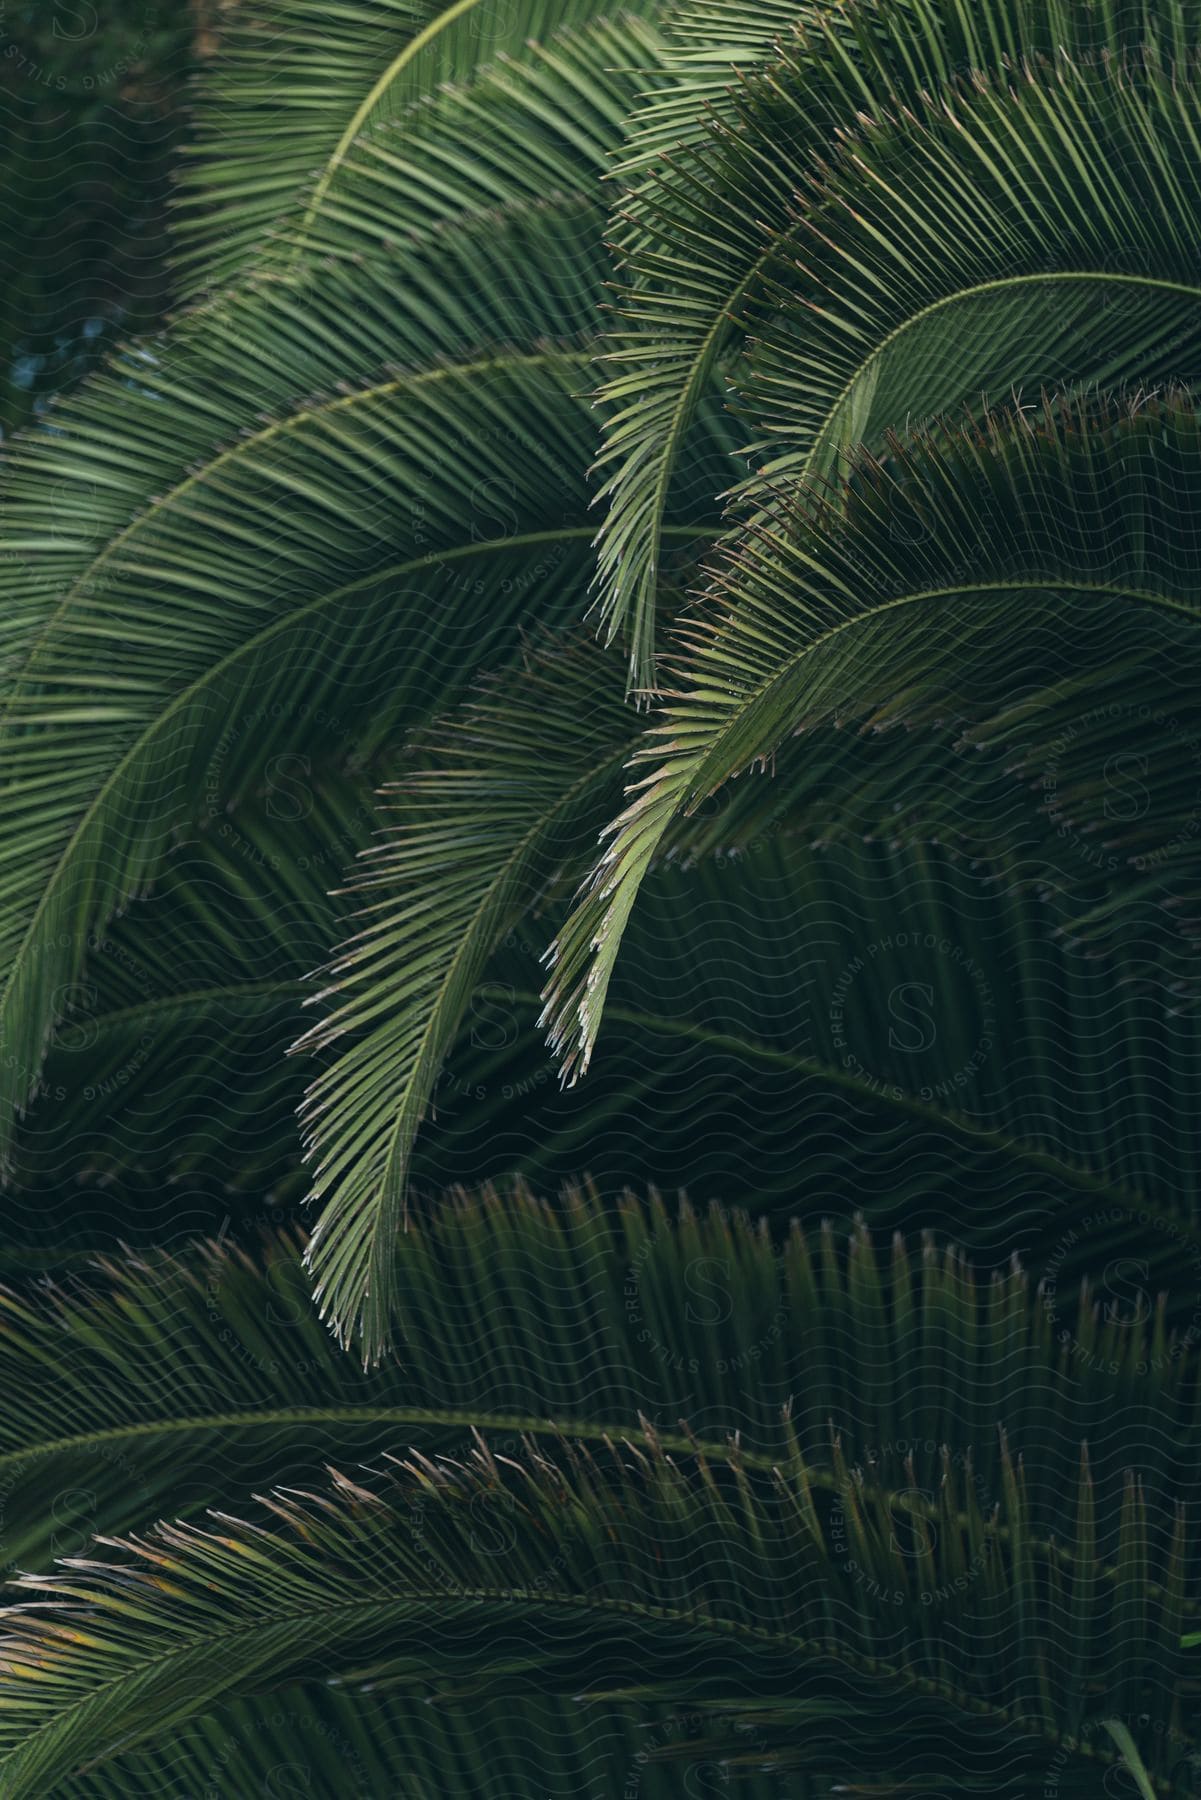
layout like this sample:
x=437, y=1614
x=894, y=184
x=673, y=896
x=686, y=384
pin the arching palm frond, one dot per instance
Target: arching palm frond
x=630, y=1569
x=167, y=1100
x=753, y=1044
x=334, y=530
x=297, y=94
x=964, y=246
x=1026, y=256
x=711, y=46
x=940, y=571
x=514, y=798
x=866, y=1385
x=516, y=132
x=364, y=1740
x=866, y=1468
x=530, y=1319
x=708, y=48
x=896, y=1030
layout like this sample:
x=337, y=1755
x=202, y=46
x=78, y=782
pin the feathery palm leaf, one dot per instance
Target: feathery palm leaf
x=498, y=830
x=623, y=1568
x=940, y=565
x=709, y=46
x=298, y=94
x=528, y=1319
x=972, y=249
x=865, y=1388
x=335, y=534
x=514, y=797
x=1020, y=226
x=167, y=1090
x=361, y=1741
x=516, y=132
x=885, y=1517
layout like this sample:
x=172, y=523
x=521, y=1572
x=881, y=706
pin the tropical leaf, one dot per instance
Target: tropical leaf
x=328, y=532
x=971, y=249
x=710, y=46
x=516, y=132
x=886, y=1028
x=359, y=1743
x=744, y=233
x=622, y=1569
x=299, y=97
x=528, y=1319
x=875, y=1482
x=729, y=1044
x=167, y=1092
x=514, y=797
x=941, y=568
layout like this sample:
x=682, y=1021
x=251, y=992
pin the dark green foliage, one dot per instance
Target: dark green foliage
x=908, y=1462
x=704, y=496
x=92, y=112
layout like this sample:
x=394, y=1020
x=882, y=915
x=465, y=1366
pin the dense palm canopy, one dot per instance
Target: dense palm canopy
x=637, y=634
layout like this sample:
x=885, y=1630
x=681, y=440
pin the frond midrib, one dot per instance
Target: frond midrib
x=908, y=1104
x=395, y=69
x=198, y=998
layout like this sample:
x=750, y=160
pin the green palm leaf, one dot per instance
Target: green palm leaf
x=327, y=532
x=895, y=926
x=497, y=832
x=529, y=1319
x=359, y=1744
x=513, y=798
x=740, y=234
x=706, y=45
x=892, y=1029
x=297, y=95
x=706, y=42
x=952, y=558
x=620, y=1569
x=168, y=1075
x=993, y=241
x=516, y=132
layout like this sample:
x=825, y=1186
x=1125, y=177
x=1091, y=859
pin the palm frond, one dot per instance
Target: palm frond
x=940, y=567
x=896, y=1030
x=360, y=1741
x=516, y=132
x=533, y=1319
x=167, y=1092
x=517, y=790
x=299, y=98
x=628, y=1569
x=741, y=232
x=992, y=241
x=710, y=48
x=332, y=532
